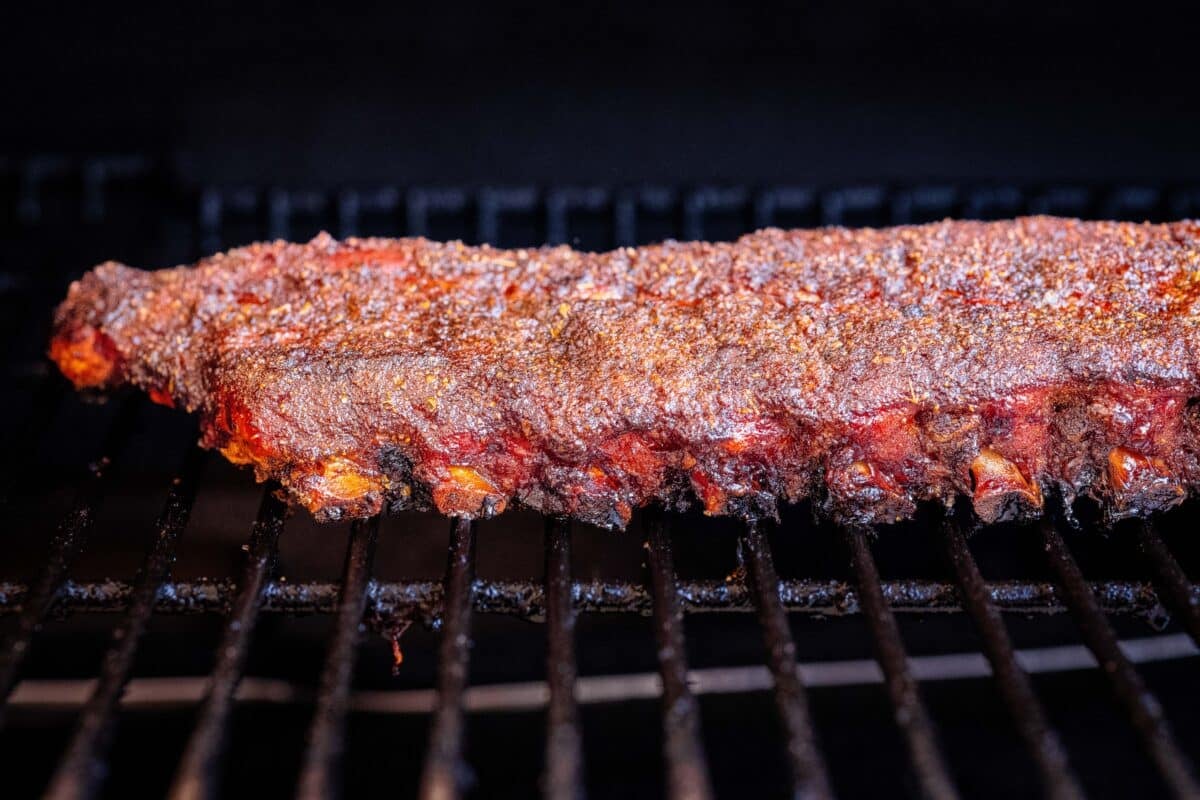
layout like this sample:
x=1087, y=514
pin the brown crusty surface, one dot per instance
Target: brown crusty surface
x=868, y=369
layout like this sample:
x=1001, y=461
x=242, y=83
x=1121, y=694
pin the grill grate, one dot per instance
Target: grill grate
x=1143, y=709
x=444, y=770
x=322, y=762
x=1041, y=741
x=631, y=215
x=924, y=752
x=809, y=776
x=200, y=769
x=83, y=766
x=687, y=774
x=563, y=776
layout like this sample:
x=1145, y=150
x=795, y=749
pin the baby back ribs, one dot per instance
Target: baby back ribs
x=867, y=369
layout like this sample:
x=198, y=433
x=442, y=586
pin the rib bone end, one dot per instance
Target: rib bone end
x=1002, y=491
x=1140, y=484
x=468, y=494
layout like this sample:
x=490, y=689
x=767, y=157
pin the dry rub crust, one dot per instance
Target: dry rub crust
x=870, y=369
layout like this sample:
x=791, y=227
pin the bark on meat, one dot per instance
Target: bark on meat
x=868, y=369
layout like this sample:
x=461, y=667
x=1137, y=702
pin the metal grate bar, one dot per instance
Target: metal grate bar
x=199, y=775
x=563, y=776
x=72, y=532
x=421, y=601
x=320, y=777
x=1015, y=687
x=928, y=763
x=810, y=778
x=687, y=769
x=84, y=766
x=1173, y=585
x=444, y=774
x=1144, y=710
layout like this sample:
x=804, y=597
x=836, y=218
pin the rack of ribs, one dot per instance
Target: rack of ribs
x=868, y=370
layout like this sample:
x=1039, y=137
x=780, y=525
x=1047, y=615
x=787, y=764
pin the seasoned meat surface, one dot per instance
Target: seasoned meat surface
x=867, y=369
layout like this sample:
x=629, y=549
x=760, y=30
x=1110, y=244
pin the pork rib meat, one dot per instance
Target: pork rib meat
x=867, y=369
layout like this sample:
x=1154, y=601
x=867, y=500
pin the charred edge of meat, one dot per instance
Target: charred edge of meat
x=1140, y=485
x=861, y=494
x=404, y=493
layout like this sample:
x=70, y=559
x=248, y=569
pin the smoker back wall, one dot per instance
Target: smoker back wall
x=61, y=214
x=583, y=92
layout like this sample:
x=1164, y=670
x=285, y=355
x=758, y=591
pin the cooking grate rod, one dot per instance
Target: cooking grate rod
x=1173, y=585
x=1144, y=710
x=445, y=774
x=68, y=540
x=199, y=775
x=320, y=776
x=929, y=765
x=84, y=766
x=687, y=769
x=1040, y=739
x=401, y=601
x=810, y=779
x=562, y=778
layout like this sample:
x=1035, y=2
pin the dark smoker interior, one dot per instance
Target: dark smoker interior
x=154, y=135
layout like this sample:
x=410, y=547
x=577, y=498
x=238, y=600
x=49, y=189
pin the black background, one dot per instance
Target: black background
x=453, y=93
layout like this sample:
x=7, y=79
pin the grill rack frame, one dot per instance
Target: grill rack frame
x=558, y=599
